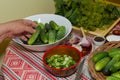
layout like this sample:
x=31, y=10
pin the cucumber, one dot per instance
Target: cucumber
x=54, y=25
x=34, y=36
x=115, y=67
x=48, y=26
x=43, y=33
x=46, y=33
x=106, y=70
x=44, y=36
x=102, y=63
x=51, y=36
x=41, y=25
x=116, y=74
x=37, y=43
x=114, y=51
x=61, y=33
x=112, y=78
x=99, y=56
x=36, y=22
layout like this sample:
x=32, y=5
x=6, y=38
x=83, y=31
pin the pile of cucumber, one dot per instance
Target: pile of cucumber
x=108, y=62
x=47, y=33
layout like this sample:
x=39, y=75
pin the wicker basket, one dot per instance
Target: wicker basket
x=105, y=47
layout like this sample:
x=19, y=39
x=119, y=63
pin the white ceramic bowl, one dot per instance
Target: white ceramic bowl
x=45, y=18
x=99, y=40
x=113, y=38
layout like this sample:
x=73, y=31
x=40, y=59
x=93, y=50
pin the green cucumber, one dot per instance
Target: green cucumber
x=99, y=56
x=44, y=36
x=102, y=63
x=34, y=36
x=116, y=74
x=61, y=33
x=106, y=71
x=51, y=36
x=41, y=25
x=37, y=43
x=54, y=25
x=48, y=26
x=115, y=67
x=112, y=78
x=36, y=22
x=114, y=51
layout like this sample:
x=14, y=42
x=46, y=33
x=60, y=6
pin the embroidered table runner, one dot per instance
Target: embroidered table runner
x=22, y=64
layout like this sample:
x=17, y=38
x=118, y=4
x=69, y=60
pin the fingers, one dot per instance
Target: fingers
x=30, y=29
x=28, y=35
x=24, y=38
x=30, y=26
x=30, y=23
x=26, y=28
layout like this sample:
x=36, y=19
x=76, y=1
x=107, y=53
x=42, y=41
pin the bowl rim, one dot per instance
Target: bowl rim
x=100, y=37
x=67, y=46
x=70, y=29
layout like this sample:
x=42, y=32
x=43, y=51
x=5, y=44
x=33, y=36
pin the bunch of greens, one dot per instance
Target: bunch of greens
x=89, y=14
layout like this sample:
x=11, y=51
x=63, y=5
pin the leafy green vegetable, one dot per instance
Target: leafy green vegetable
x=90, y=14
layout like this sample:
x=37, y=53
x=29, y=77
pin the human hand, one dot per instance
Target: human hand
x=19, y=28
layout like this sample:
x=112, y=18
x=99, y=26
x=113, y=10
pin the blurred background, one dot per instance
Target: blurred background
x=15, y=9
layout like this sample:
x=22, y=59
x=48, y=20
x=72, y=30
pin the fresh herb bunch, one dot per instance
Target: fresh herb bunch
x=89, y=14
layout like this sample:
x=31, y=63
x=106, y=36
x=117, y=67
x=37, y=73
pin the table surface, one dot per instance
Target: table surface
x=22, y=64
